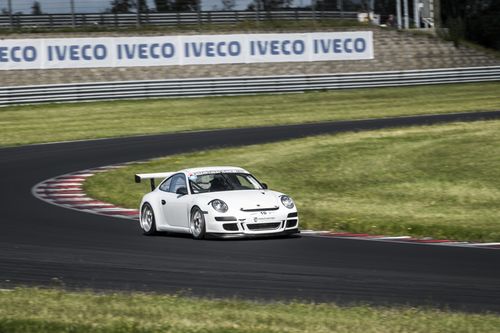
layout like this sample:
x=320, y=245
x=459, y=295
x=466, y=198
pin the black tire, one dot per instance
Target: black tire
x=197, y=223
x=147, y=220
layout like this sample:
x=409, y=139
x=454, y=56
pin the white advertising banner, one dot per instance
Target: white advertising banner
x=183, y=50
x=278, y=48
x=213, y=49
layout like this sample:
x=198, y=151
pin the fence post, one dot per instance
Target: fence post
x=138, y=15
x=11, y=19
x=313, y=8
x=198, y=12
x=405, y=14
x=257, y=12
x=73, y=21
x=398, y=14
x=416, y=13
x=436, y=13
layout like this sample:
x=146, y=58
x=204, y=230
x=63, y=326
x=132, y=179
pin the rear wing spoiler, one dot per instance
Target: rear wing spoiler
x=152, y=176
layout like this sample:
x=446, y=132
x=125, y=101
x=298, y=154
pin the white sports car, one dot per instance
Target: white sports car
x=216, y=201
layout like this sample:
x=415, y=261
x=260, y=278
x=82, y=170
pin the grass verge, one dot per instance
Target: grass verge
x=35, y=310
x=61, y=122
x=441, y=181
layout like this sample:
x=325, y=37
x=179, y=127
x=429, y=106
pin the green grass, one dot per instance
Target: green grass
x=441, y=181
x=35, y=310
x=60, y=122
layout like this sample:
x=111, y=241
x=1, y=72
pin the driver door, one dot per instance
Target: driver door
x=175, y=206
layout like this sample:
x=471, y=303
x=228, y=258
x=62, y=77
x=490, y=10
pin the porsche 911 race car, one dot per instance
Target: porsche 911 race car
x=215, y=201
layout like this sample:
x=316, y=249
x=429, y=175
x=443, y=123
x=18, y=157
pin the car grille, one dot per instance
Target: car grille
x=230, y=227
x=264, y=226
x=291, y=223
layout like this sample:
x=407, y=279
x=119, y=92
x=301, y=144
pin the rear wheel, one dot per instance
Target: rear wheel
x=197, y=223
x=148, y=223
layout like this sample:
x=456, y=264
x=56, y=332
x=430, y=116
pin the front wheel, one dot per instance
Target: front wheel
x=197, y=223
x=148, y=223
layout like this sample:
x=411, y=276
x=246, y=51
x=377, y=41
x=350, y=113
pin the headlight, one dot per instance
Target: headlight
x=219, y=206
x=287, y=201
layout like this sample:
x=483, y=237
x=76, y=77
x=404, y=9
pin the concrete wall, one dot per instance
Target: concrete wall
x=393, y=51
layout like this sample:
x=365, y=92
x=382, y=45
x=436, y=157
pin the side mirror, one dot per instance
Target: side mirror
x=182, y=191
x=264, y=185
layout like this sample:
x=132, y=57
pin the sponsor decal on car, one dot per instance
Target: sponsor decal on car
x=211, y=172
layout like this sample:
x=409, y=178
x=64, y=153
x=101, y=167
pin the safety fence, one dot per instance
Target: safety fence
x=164, y=19
x=239, y=85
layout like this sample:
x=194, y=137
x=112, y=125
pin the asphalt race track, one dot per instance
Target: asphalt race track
x=44, y=245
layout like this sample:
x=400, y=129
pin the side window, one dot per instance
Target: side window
x=178, y=181
x=166, y=184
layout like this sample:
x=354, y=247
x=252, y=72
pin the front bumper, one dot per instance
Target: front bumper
x=255, y=223
x=260, y=235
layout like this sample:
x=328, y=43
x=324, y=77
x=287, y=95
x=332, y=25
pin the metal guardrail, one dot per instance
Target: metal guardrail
x=164, y=19
x=239, y=85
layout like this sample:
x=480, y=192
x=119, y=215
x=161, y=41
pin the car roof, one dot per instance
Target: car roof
x=214, y=169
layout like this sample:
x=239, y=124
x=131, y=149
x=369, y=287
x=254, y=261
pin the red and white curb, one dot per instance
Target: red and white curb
x=399, y=239
x=67, y=191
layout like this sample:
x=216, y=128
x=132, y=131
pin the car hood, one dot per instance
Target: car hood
x=247, y=199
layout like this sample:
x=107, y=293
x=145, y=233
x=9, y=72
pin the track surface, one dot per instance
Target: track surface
x=42, y=244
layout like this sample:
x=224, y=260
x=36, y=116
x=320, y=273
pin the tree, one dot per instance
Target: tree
x=176, y=5
x=275, y=4
x=228, y=4
x=127, y=6
x=269, y=5
x=163, y=5
x=121, y=6
x=347, y=5
x=252, y=6
x=143, y=6
x=476, y=20
x=385, y=7
x=36, y=8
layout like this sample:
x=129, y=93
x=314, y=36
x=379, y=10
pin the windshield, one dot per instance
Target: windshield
x=216, y=182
